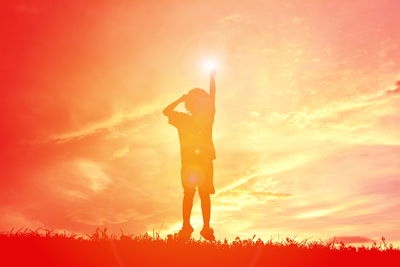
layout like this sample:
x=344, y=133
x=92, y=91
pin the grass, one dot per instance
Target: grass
x=43, y=247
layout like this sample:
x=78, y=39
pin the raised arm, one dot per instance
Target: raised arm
x=212, y=86
x=170, y=108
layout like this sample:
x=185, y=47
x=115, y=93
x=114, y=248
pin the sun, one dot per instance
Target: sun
x=210, y=64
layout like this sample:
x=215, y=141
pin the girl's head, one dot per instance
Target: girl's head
x=198, y=101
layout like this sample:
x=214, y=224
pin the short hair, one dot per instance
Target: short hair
x=197, y=100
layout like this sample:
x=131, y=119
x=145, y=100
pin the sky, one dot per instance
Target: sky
x=306, y=130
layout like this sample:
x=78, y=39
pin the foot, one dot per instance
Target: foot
x=185, y=232
x=208, y=234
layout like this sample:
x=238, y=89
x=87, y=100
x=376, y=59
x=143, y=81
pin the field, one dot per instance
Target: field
x=46, y=248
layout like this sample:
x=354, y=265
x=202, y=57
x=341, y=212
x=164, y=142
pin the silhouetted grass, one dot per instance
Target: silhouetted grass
x=43, y=247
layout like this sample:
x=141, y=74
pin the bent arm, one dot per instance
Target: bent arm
x=167, y=111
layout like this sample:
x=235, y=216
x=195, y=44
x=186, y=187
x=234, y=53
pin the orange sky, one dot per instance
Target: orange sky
x=306, y=133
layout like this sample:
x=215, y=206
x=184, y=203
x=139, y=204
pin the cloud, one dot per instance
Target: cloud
x=73, y=180
x=96, y=179
x=115, y=120
x=240, y=199
x=238, y=192
x=395, y=91
x=231, y=19
x=270, y=194
x=353, y=210
x=16, y=220
x=120, y=153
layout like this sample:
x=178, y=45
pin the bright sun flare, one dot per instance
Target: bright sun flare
x=209, y=65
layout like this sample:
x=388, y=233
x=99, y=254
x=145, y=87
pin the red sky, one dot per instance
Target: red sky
x=306, y=133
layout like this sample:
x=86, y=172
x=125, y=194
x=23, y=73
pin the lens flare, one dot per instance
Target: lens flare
x=210, y=65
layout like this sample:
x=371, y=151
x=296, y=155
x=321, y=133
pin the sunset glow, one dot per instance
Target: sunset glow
x=306, y=131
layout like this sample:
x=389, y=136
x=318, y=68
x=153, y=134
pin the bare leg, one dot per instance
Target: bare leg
x=206, y=209
x=187, y=208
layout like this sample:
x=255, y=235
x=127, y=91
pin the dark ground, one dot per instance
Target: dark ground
x=45, y=248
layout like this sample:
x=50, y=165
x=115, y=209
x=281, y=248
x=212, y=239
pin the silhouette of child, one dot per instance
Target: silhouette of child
x=197, y=152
